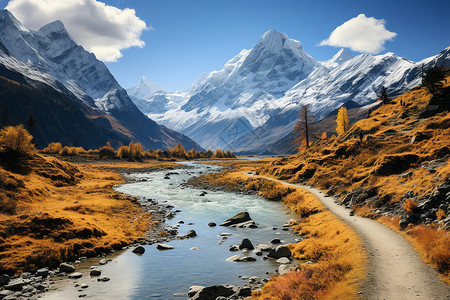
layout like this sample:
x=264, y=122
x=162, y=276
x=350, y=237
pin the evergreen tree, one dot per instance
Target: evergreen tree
x=342, y=121
x=384, y=97
x=433, y=78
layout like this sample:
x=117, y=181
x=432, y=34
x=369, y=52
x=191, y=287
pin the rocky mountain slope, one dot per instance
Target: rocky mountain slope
x=51, y=57
x=254, y=100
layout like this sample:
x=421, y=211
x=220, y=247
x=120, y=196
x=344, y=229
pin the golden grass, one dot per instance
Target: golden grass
x=65, y=210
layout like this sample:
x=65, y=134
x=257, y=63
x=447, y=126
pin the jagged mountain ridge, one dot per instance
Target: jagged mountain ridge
x=244, y=109
x=49, y=55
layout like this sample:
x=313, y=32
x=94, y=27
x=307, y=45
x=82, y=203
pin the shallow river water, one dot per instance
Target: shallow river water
x=161, y=274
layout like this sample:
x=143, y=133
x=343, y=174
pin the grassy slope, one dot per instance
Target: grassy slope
x=384, y=167
x=52, y=210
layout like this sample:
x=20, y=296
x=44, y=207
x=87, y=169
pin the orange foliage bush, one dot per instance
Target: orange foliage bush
x=53, y=148
x=409, y=205
x=17, y=140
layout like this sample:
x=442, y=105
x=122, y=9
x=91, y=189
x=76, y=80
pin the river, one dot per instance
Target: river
x=169, y=274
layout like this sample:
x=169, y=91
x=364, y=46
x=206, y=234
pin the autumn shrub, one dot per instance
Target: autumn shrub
x=409, y=205
x=16, y=140
x=124, y=152
x=136, y=151
x=218, y=153
x=178, y=151
x=440, y=214
x=107, y=151
x=53, y=148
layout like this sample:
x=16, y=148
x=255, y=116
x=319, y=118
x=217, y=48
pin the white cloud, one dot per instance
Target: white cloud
x=360, y=34
x=102, y=29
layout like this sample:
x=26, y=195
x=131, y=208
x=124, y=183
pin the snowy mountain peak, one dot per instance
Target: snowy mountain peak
x=338, y=59
x=144, y=89
x=55, y=26
x=7, y=18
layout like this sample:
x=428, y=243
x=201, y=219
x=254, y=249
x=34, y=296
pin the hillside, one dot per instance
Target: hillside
x=400, y=168
x=57, y=117
x=50, y=57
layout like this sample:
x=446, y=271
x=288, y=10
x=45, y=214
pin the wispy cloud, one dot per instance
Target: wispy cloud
x=102, y=29
x=360, y=34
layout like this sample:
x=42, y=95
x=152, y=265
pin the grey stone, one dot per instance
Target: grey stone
x=104, y=262
x=279, y=252
x=164, y=247
x=212, y=292
x=275, y=241
x=211, y=224
x=103, y=279
x=247, y=244
x=264, y=247
x=191, y=233
x=4, y=279
x=239, y=218
x=15, y=285
x=283, y=260
x=95, y=272
x=139, y=250
x=283, y=269
x=67, y=268
x=75, y=275
x=42, y=272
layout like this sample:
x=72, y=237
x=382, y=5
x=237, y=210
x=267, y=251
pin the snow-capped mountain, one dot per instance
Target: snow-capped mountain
x=255, y=98
x=231, y=102
x=49, y=55
x=144, y=89
x=338, y=59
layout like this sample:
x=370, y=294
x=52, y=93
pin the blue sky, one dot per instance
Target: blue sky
x=191, y=37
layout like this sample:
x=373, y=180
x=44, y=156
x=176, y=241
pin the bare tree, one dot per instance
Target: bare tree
x=305, y=125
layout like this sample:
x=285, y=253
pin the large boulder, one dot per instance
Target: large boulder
x=246, y=244
x=237, y=219
x=139, y=250
x=15, y=285
x=4, y=280
x=279, y=252
x=212, y=292
x=67, y=268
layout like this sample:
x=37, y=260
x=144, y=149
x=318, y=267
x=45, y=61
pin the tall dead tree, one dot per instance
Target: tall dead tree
x=304, y=126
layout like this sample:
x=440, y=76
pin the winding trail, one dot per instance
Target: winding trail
x=395, y=270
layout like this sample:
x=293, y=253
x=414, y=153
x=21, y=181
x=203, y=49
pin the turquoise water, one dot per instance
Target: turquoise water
x=161, y=274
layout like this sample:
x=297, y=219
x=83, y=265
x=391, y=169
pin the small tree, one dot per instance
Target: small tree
x=16, y=140
x=342, y=121
x=304, y=126
x=218, y=153
x=433, y=78
x=324, y=136
x=107, y=151
x=384, y=97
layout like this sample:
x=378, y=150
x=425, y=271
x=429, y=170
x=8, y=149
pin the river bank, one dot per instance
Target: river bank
x=67, y=212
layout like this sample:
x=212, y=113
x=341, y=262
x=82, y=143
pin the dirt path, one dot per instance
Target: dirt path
x=395, y=270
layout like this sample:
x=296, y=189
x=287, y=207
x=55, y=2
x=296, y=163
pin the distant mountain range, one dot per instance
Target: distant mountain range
x=49, y=59
x=252, y=104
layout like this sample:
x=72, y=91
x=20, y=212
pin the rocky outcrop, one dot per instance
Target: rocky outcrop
x=241, y=217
